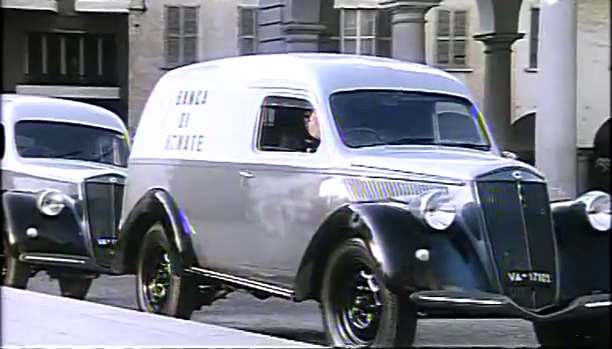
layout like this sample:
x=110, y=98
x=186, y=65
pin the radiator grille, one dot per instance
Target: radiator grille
x=104, y=198
x=518, y=222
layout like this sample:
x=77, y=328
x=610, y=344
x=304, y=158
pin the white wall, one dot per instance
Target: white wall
x=593, y=52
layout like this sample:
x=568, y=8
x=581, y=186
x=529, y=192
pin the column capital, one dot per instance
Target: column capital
x=409, y=6
x=496, y=42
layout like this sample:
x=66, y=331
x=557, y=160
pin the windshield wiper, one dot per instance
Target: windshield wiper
x=412, y=140
x=72, y=153
x=101, y=155
x=479, y=146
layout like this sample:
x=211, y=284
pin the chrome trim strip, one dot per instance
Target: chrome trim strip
x=279, y=291
x=460, y=300
x=598, y=304
x=53, y=259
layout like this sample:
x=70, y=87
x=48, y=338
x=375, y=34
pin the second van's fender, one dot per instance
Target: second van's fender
x=155, y=205
x=393, y=236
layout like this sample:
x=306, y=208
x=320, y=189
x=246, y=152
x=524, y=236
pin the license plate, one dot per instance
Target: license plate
x=529, y=277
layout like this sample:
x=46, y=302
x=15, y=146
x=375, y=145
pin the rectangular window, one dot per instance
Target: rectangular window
x=452, y=38
x=283, y=125
x=247, y=30
x=358, y=31
x=70, y=58
x=534, y=32
x=181, y=38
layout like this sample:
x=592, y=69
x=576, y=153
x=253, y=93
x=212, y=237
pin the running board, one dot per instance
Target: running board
x=242, y=282
x=53, y=259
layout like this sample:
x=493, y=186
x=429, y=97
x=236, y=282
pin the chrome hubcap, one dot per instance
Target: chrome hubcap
x=156, y=289
x=365, y=303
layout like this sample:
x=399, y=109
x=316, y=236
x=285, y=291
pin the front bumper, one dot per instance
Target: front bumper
x=484, y=304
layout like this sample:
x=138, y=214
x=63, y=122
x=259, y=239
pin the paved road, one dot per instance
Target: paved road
x=302, y=322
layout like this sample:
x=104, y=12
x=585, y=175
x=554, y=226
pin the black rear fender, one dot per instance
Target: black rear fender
x=155, y=206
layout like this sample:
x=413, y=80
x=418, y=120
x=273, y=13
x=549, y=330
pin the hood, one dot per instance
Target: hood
x=433, y=161
x=65, y=170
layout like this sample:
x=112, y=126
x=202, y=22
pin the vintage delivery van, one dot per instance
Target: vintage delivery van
x=370, y=185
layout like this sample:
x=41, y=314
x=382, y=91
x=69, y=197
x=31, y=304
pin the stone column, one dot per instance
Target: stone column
x=289, y=26
x=555, y=136
x=498, y=75
x=408, y=28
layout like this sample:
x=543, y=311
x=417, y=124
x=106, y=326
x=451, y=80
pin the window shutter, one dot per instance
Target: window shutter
x=190, y=35
x=173, y=32
x=247, y=30
x=442, y=51
x=459, y=52
x=460, y=23
x=443, y=23
x=247, y=22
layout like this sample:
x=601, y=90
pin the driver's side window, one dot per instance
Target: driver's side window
x=284, y=125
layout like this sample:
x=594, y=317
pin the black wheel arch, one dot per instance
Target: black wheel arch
x=392, y=235
x=155, y=205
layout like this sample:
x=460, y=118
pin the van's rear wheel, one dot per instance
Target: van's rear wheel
x=358, y=310
x=162, y=288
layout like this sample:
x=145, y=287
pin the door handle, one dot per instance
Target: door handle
x=246, y=174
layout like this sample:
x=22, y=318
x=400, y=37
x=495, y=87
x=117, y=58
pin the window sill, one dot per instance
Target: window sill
x=531, y=70
x=456, y=69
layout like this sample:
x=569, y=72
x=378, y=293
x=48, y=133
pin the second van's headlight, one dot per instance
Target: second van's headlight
x=436, y=208
x=51, y=202
x=597, y=209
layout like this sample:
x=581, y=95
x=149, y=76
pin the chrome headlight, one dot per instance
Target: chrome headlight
x=597, y=209
x=436, y=208
x=51, y=202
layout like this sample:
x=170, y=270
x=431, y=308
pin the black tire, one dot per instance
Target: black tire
x=75, y=287
x=15, y=273
x=581, y=333
x=176, y=293
x=392, y=323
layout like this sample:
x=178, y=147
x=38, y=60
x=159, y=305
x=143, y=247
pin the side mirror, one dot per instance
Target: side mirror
x=509, y=155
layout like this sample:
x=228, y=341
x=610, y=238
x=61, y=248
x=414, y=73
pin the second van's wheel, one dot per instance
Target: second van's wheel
x=15, y=273
x=75, y=287
x=358, y=310
x=161, y=287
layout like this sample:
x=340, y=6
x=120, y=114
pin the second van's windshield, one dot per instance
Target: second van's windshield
x=60, y=140
x=382, y=117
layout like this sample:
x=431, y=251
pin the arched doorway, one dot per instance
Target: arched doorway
x=599, y=178
x=523, y=138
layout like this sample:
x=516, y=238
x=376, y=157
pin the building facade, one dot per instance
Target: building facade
x=491, y=45
x=75, y=49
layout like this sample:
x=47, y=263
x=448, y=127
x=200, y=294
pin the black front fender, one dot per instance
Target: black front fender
x=394, y=235
x=61, y=234
x=584, y=253
x=155, y=206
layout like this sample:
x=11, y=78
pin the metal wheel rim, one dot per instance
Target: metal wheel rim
x=156, y=279
x=357, y=306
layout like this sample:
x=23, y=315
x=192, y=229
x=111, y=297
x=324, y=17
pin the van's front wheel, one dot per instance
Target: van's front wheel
x=159, y=286
x=358, y=310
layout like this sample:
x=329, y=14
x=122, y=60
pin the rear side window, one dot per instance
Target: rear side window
x=283, y=125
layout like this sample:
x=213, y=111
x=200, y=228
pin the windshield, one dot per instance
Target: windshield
x=58, y=140
x=372, y=118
